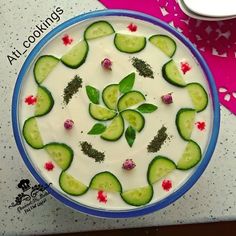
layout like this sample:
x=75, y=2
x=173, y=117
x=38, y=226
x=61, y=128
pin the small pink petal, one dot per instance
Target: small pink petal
x=201, y=125
x=102, y=197
x=31, y=100
x=185, y=67
x=132, y=27
x=67, y=40
x=49, y=166
x=166, y=184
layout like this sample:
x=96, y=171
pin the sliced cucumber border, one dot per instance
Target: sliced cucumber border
x=51, y=100
x=204, y=91
x=139, y=50
x=170, y=80
x=106, y=172
x=81, y=62
x=138, y=205
x=96, y=22
x=66, y=147
x=182, y=110
x=164, y=36
x=62, y=188
x=190, y=167
x=159, y=157
x=23, y=133
x=35, y=65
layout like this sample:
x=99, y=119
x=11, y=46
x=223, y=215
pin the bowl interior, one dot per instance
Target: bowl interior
x=48, y=45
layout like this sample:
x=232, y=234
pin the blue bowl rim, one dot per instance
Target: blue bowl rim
x=148, y=208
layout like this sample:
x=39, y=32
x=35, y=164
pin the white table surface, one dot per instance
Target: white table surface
x=211, y=199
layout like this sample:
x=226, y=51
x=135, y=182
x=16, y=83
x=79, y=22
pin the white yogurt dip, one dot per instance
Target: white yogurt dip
x=84, y=168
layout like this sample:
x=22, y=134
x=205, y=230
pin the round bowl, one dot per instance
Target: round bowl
x=143, y=209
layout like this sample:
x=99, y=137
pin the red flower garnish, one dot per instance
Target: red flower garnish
x=167, y=98
x=31, y=100
x=166, y=184
x=68, y=124
x=201, y=125
x=106, y=63
x=49, y=166
x=132, y=27
x=128, y=164
x=66, y=39
x=102, y=197
x=185, y=67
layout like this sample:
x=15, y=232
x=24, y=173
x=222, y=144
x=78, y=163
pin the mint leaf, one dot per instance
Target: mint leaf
x=93, y=94
x=147, y=108
x=127, y=83
x=98, y=128
x=130, y=135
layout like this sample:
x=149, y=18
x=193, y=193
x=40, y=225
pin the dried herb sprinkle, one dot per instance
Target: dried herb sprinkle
x=143, y=68
x=88, y=150
x=158, y=140
x=72, y=88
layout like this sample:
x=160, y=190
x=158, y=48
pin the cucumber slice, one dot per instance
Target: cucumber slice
x=159, y=167
x=191, y=156
x=105, y=181
x=134, y=118
x=129, y=43
x=129, y=99
x=185, y=122
x=71, y=185
x=171, y=74
x=98, y=29
x=60, y=153
x=44, y=103
x=110, y=96
x=138, y=196
x=198, y=95
x=166, y=44
x=31, y=133
x=43, y=66
x=115, y=130
x=76, y=55
x=101, y=113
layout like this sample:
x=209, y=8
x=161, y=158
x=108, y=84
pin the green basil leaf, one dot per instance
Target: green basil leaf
x=130, y=135
x=127, y=83
x=93, y=94
x=98, y=128
x=147, y=108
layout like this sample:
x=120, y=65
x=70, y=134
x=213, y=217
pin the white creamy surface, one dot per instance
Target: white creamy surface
x=84, y=168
